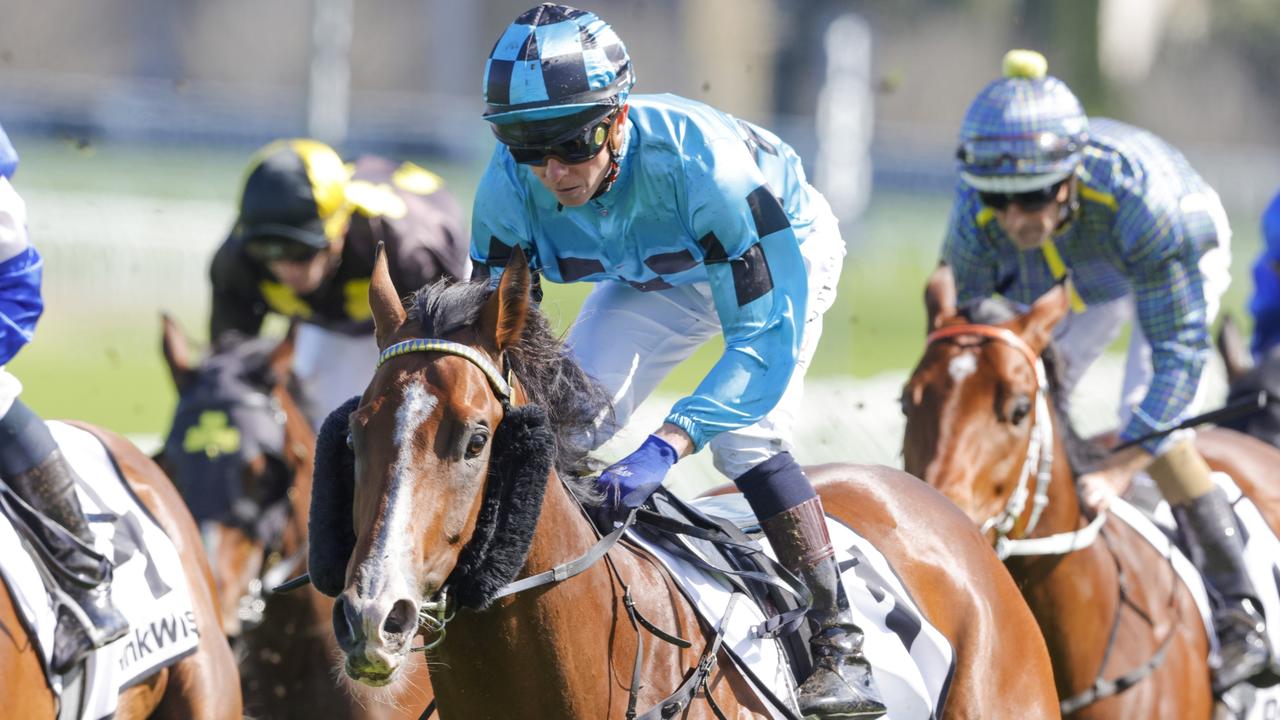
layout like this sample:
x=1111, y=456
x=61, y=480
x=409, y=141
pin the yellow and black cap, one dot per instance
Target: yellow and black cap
x=294, y=192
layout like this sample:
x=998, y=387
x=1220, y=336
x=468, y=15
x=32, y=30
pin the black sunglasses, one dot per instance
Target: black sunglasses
x=1030, y=200
x=573, y=151
x=272, y=249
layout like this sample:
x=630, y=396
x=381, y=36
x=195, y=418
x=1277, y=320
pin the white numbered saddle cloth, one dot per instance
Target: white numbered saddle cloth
x=911, y=660
x=149, y=585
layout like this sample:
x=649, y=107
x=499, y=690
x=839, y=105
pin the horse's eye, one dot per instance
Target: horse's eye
x=475, y=445
x=1019, y=409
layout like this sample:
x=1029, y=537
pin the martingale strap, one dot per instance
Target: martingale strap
x=501, y=387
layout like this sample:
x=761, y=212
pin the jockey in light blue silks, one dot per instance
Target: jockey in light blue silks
x=1044, y=191
x=30, y=462
x=692, y=224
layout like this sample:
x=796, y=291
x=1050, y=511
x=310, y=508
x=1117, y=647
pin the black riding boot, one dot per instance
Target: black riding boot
x=841, y=685
x=50, y=488
x=1213, y=541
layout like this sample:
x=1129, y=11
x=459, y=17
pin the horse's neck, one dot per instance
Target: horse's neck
x=300, y=444
x=550, y=648
x=547, y=643
x=1072, y=596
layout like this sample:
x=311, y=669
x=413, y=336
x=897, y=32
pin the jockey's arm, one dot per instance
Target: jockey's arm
x=237, y=306
x=760, y=288
x=1163, y=269
x=965, y=250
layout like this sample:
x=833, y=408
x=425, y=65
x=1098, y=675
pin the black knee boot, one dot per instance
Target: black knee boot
x=841, y=685
x=1213, y=541
x=50, y=488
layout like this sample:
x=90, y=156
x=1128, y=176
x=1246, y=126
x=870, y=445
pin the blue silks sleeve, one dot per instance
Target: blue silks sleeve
x=20, y=301
x=759, y=285
x=1265, y=307
x=20, y=269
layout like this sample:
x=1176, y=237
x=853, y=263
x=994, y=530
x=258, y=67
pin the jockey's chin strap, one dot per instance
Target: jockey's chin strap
x=1039, y=456
x=436, y=613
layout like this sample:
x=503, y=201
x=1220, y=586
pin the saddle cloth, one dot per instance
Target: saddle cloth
x=149, y=585
x=1262, y=561
x=912, y=661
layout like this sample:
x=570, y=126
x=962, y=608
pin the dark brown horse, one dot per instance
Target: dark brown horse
x=983, y=427
x=201, y=685
x=242, y=452
x=435, y=440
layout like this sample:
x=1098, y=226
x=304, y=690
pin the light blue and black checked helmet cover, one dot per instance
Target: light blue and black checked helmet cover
x=1021, y=134
x=553, y=62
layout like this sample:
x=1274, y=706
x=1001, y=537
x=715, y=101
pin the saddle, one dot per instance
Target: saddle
x=732, y=549
x=714, y=550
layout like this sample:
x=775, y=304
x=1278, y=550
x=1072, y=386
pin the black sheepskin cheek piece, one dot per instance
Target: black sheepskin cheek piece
x=519, y=465
x=330, y=532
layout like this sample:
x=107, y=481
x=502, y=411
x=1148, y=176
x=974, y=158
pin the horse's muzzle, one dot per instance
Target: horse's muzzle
x=374, y=636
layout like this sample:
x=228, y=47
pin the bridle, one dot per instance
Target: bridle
x=1041, y=444
x=1039, y=456
x=436, y=612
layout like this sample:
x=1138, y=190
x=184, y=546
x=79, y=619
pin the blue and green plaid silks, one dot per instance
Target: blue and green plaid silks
x=1144, y=220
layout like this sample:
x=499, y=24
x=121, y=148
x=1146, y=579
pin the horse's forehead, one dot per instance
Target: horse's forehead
x=962, y=365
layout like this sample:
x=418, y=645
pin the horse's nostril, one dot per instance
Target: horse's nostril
x=400, y=620
x=346, y=624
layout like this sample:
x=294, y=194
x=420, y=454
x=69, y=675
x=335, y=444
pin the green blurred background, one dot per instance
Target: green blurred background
x=96, y=355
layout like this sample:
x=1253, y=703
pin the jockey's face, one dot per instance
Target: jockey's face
x=1029, y=227
x=575, y=184
x=305, y=276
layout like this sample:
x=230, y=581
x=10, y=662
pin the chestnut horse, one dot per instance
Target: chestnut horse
x=203, y=684
x=461, y=484
x=985, y=426
x=241, y=451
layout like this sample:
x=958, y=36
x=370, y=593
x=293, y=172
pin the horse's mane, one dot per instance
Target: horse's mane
x=1083, y=455
x=575, y=403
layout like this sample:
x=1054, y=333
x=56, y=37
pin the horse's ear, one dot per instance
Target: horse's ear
x=177, y=353
x=940, y=296
x=1046, y=312
x=388, y=311
x=502, y=322
x=281, y=359
x=1231, y=345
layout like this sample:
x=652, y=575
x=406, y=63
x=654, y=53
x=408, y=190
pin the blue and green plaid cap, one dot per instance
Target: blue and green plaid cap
x=555, y=60
x=1021, y=134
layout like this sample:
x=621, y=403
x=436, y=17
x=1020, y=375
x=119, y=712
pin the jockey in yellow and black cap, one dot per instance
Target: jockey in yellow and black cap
x=303, y=247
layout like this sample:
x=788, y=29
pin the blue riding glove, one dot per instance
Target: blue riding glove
x=630, y=481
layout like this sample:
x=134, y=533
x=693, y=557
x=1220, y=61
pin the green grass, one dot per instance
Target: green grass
x=94, y=361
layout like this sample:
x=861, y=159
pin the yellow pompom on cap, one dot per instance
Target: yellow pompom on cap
x=1025, y=64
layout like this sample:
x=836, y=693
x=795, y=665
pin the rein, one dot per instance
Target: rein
x=435, y=613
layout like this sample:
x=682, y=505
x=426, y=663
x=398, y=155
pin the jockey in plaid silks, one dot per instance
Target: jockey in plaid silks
x=1142, y=220
x=692, y=224
x=1044, y=192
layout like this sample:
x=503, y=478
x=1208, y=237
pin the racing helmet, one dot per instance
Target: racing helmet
x=555, y=73
x=296, y=191
x=1025, y=131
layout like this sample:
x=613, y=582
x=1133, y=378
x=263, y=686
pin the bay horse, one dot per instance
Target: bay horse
x=241, y=450
x=464, y=477
x=203, y=685
x=985, y=425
